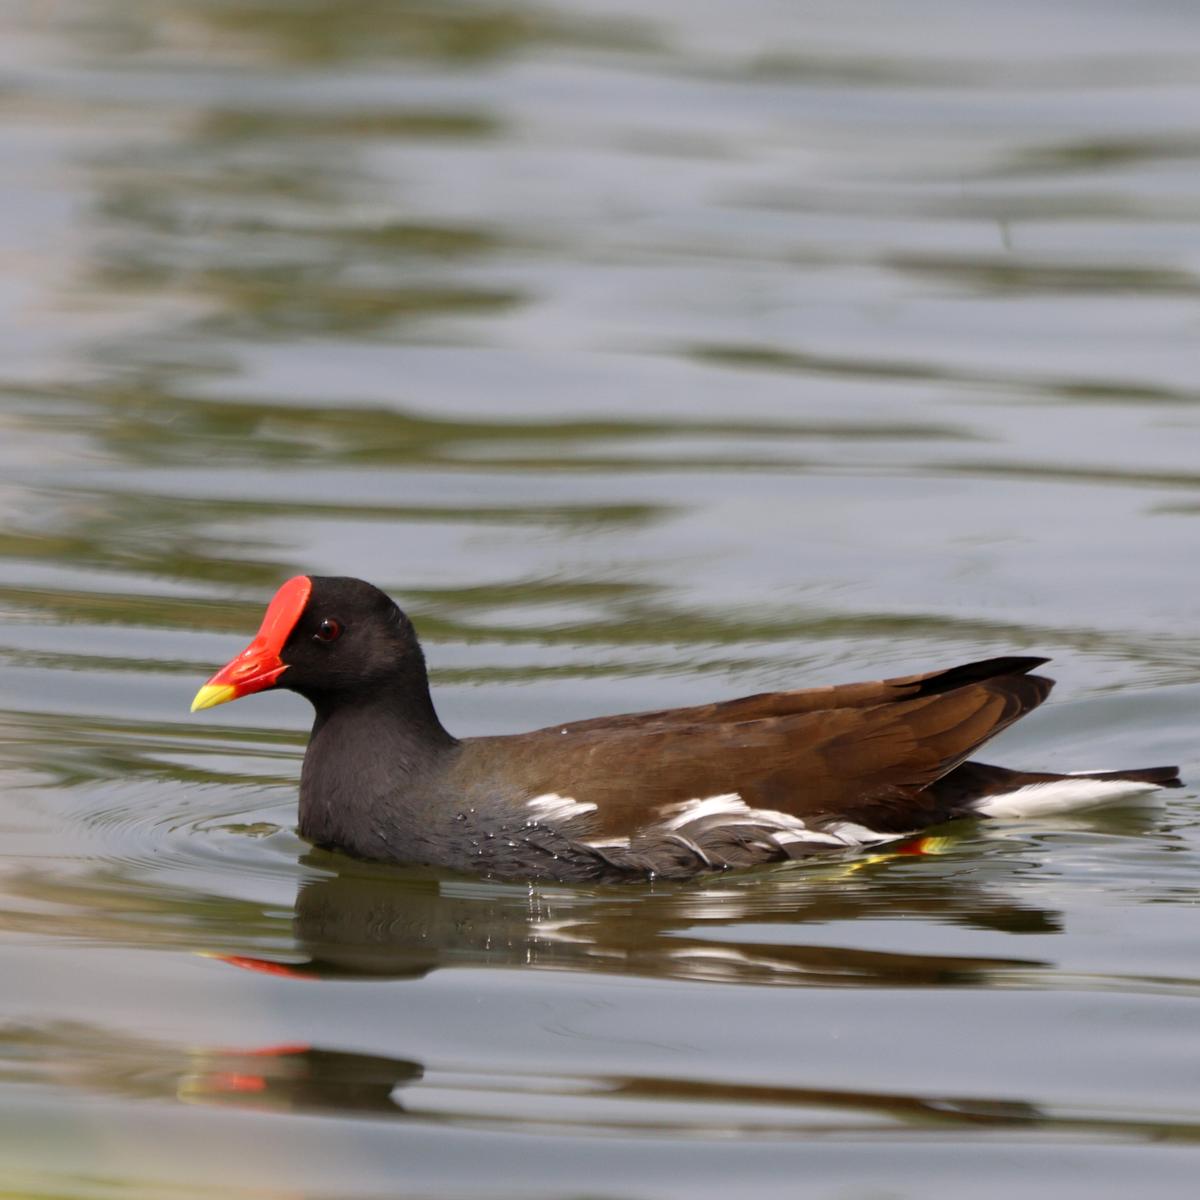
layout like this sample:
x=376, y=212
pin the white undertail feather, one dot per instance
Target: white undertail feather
x=1062, y=796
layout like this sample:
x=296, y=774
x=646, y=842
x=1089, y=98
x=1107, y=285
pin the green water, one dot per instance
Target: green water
x=648, y=355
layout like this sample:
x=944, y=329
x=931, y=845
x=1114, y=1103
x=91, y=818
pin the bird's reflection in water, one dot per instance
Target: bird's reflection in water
x=356, y=921
x=377, y=922
x=299, y=1079
x=311, y=1079
x=344, y=1083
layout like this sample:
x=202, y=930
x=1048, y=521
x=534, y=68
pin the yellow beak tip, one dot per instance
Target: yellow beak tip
x=211, y=695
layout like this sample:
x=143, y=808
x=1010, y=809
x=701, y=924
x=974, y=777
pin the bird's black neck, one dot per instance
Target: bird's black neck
x=372, y=756
x=394, y=714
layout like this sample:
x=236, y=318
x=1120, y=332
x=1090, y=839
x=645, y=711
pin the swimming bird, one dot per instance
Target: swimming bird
x=669, y=794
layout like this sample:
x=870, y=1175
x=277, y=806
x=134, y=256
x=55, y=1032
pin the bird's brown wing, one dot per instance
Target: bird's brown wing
x=763, y=705
x=870, y=764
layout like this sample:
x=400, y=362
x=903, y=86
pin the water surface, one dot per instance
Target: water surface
x=648, y=355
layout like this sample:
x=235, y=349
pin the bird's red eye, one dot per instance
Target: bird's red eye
x=328, y=631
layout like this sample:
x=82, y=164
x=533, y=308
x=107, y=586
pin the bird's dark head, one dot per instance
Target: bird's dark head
x=333, y=639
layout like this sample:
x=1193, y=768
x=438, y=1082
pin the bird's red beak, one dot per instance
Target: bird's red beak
x=259, y=665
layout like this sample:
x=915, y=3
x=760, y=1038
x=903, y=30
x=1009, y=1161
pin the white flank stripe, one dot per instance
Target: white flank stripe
x=791, y=837
x=837, y=833
x=732, y=810
x=730, y=804
x=553, y=807
x=1060, y=796
x=688, y=844
x=853, y=834
x=768, y=816
x=729, y=811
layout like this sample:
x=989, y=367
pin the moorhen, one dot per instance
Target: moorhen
x=670, y=794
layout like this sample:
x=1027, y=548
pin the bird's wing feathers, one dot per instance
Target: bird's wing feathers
x=810, y=700
x=868, y=762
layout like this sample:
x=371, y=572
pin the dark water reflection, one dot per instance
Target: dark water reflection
x=648, y=354
x=304, y=1079
x=352, y=925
